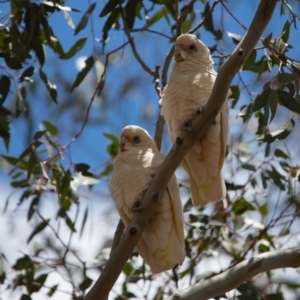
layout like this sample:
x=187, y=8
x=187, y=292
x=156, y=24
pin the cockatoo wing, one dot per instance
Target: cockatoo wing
x=162, y=243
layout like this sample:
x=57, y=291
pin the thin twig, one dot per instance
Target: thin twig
x=159, y=127
x=235, y=276
x=133, y=48
x=150, y=30
x=164, y=74
x=242, y=25
x=178, y=21
x=97, y=91
x=183, y=15
x=117, y=237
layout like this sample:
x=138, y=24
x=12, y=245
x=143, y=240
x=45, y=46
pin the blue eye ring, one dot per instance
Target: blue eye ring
x=136, y=139
x=192, y=48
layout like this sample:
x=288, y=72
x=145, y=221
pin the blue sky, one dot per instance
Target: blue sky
x=116, y=109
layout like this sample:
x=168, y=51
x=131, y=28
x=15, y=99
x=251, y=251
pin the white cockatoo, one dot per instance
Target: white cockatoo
x=190, y=85
x=162, y=243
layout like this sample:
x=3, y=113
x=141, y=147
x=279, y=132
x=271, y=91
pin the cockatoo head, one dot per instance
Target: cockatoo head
x=135, y=137
x=188, y=47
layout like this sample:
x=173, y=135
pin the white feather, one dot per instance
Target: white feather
x=190, y=85
x=162, y=242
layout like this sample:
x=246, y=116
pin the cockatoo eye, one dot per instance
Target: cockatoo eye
x=192, y=48
x=136, y=139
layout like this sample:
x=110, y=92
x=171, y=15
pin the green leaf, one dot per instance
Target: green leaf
x=70, y=223
x=208, y=23
x=278, y=134
x=41, y=226
x=263, y=209
x=112, y=148
x=233, y=187
x=20, y=105
x=84, y=20
x=241, y=206
x=250, y=60
x=79, y=44
x=32, y=208
x=235, y=95
x=4, y=88
x=296, y=67
x=51, y=128
x=236, y=38
x=286, y=77
x=267, y=149
x=163, y=12
x=69, y=19
x=65, y=185
x=37, y=45
x=248, y=167
x=38, y=282
x=20, y=183
x=288, y=101
x=187, y=24
x=39, y=134
x=107, y=170
x=130, y=12
x=4, y=125
x=85, y=216
x=2, y=277
x=25, y=297
x=26, y=74
x=58, y=7
x=280, y=153
x=23, y=263
x=261, y=100
x=127, y=269
x=267, y=40
x=52, y=290
x=83, y=169
x=109, y=7
x=89, y=62
x=279, y=45
x=86, y=283
x=286, y=31
x=50, y=87
x=272, y=100
x=110, y=21
x=277, y=178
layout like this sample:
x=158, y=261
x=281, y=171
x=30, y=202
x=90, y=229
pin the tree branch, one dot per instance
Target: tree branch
x=200, y=125
x=117, y=237
x=235, y=276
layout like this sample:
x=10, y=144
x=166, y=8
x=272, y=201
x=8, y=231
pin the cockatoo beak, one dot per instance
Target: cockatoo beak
x=123, y=142
x=180, y=53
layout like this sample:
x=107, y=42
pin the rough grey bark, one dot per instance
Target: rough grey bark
x=235, y=276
